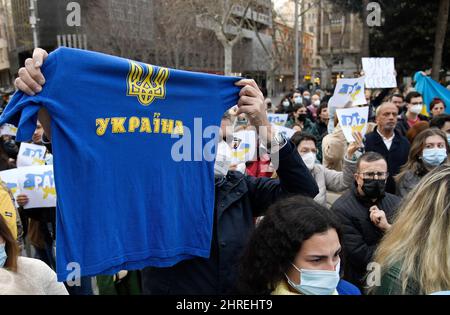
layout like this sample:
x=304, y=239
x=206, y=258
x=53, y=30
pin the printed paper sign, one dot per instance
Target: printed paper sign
x=9, y=178
x=8, y=130
x=278, y=119
x=348, y=90
x=38, y=183
x=379, y=72
x=288, y=133
x=243, y=147
x=352, y=120
x=31, y=155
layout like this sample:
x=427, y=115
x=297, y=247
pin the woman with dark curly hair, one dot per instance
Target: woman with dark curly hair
x=295, y=250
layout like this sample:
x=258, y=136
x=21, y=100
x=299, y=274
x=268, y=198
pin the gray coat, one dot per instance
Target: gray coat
x=332, y=180
x=407, y=183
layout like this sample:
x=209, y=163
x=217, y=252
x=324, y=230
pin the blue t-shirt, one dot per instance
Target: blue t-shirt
x=134, y=181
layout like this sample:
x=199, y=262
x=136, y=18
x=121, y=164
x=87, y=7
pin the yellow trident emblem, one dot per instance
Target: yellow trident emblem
x=148, y=88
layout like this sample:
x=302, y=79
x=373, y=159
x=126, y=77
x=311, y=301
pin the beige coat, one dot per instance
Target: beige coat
x=334, y=147
x=332, y=180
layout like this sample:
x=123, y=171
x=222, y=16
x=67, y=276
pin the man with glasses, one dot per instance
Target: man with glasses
x=366, y=212
x=414, y=106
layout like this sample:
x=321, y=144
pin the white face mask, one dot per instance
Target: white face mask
x=317, y=103
x=223, y=159
x=286, y=104
x=298, y=100
x=316, y=282
x=310, y=160
x=417, y=109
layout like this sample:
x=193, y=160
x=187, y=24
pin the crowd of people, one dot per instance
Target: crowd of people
x=280, y=231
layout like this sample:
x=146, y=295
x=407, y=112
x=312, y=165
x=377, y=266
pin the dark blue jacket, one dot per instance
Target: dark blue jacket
x=396, y=157
x=238, y=201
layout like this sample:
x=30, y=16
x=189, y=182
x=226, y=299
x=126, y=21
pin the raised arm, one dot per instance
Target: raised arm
x=31, y=80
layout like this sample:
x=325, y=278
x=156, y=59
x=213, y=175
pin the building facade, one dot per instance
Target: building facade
x=337, y=42
x=160, y=32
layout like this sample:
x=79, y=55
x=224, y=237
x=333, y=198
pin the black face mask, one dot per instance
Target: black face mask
x=302, y=117
x=374, y=188
x=11, y=149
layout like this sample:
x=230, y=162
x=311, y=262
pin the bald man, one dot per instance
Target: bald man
x=386, y=141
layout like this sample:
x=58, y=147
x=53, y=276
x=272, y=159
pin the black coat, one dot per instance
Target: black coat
x=360, y=235
x=238, y=201
x=402, y=124
x=396, y=157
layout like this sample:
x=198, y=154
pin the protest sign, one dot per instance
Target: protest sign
x=8, y=130
x=31, y=154
x=348, y=90
x=379, y=72
x=243, y=147
x=38, y=183
x=278, y=119
x=9, y=178
x=288, y=133
x=352, y=120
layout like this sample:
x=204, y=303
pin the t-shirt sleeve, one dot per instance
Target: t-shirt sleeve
x=229, y=93
x=22, y=111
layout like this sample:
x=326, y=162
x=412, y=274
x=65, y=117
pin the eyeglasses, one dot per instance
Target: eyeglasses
x=371, y=175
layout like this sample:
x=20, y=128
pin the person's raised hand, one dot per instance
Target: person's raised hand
x=31, y=79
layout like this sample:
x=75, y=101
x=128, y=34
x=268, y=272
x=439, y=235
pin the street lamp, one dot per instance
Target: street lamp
x=296, y=63
x=33, y=22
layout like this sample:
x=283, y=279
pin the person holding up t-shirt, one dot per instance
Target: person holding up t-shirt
x=238, y=198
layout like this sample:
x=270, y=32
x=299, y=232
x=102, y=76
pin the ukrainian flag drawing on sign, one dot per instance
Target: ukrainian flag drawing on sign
x=243, y=147
x=348, y=90
x=39, y=184
x=148, y=84
x=353, y=119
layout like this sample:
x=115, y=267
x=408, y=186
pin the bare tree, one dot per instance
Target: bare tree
x=282, y=46
x=223, y=19
x=441, y=29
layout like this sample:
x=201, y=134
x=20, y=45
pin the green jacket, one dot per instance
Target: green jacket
x=391, y=284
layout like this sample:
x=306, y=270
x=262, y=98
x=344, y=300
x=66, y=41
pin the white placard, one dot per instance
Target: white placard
x=9, y=177
x=379, y=72
x=278, y=119
x=38, y=183
x=31, y=155
x=352, y=120
x=348, y=90
x=8, y=130
x=288, y=133
x=243, y=147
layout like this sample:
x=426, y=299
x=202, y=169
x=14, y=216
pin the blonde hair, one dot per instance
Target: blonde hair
x=420, y=237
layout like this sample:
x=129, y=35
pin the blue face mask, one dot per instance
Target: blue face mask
x=434, y=157
x=448, y=138
x=3, y=255
x=316, y=282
